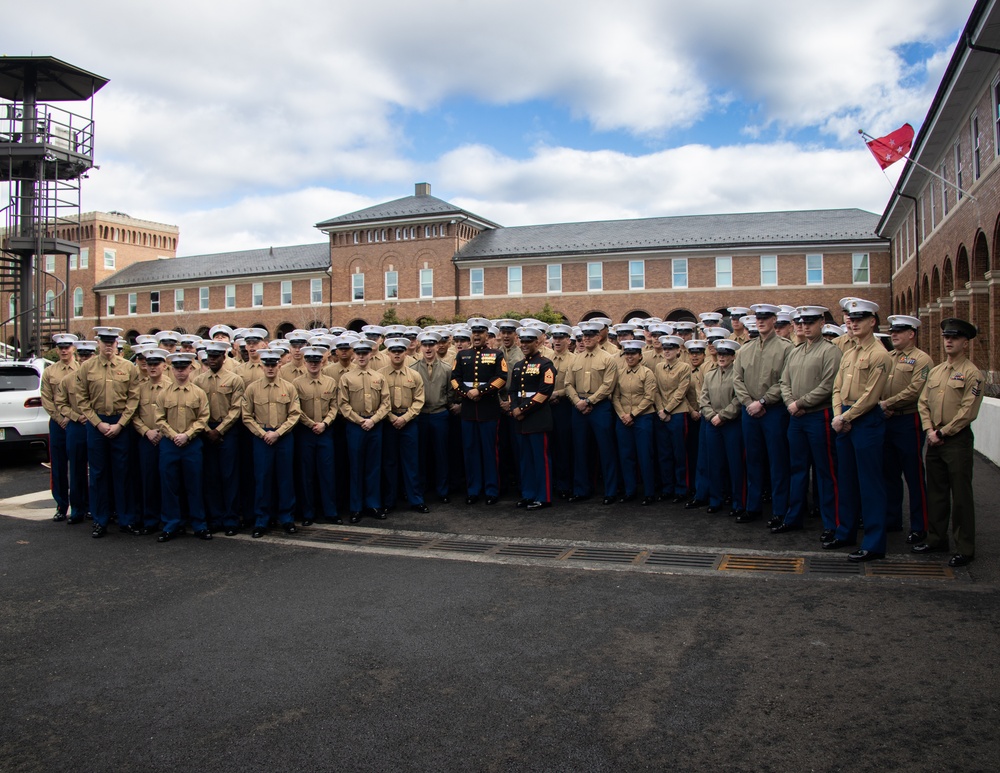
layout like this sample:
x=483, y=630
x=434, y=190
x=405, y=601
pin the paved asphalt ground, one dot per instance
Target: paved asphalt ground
x=246, y=655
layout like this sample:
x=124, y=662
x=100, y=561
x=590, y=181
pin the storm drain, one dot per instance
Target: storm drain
x=630, y=558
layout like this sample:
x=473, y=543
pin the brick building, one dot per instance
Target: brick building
x=943, y=218
x=109, y=242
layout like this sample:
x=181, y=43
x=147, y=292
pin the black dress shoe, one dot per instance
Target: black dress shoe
x=232, y=532
x=678, y=499
x=774, y=522
x=924, y=547
x=836, y=544
x=492, y=500
x=784, y=528
x=204, y=534
x=695, y=504
x=420, y=508
x=355, y=517
x=337, y=520
x=828, y=535
x=290, y=528
x=713, y=509
x=135, y=531
x=522, y=503
x=471, y=500
x=734, y=513
x=74, y=521
x=609, y=500
x=563, y=494
x=307, y=523
x=747, y=516
x=381, y=513
x=59, y=516
x=960, y=559
x=864, y=555
x=99, y=531
x=166, y=536
x=445, y=500
x=258, y=533
x=916, y=537
x=578, y=498
x=532, y=506
x=647, y=501
x=626, y=498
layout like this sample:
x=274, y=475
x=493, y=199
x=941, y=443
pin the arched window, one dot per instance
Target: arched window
x=50, y=304
x=78, y=302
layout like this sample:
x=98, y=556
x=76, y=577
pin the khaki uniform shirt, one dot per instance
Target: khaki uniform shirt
x=860, y=380
x=513, y=355
x=757, y=370
x=274, y=405
x=363, y=395
x=182, y=410
x=845, y=342
x=437, y=385
x=718, y=398
x=635, y=392
x=907, y=377
x=743, y=337
x=697, y=382
x=672, y=383
x=67, y=397
x=809, y=375
x=610, y=348
x=379, y=360
x=335, y=370
x=250, y=372
x=563, y=363
x=406, y=392
x=651, y=357
x=51, y=377
x=108, y=387
x=225, y=397
x=592, y=376
x=290, y=371
x=950, y=401
x=145, y=415
x=317, y=398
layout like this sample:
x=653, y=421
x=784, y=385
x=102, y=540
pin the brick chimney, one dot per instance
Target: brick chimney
x=422, y=189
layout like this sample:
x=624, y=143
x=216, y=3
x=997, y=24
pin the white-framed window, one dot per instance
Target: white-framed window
x=357, y=237
x=109, y=305
x=513, y=280
x=814, y=269
x=553, y=277
x=203, y=296
x=257, y=294
x=932, y=186
x=595, y=277
x=109, y=258
x=230, y=296
x=154, y=302
x=391, y=285
x=768, y=270
x=679, y=272
x=943, y=171
x=85, y=257
x=477, y=281
x=133, y=303
x=958, y=169
x=405, y=234
x=315, y=291
x=637, y=275
x=50, y=303
x=78, y=302
x=50, y=263
x=179, y=299
x=286, y=292
x=859, y=261
x=427, y=283
x=72, y=262
x=724, y=272
x=977, y=161
x=357, y=287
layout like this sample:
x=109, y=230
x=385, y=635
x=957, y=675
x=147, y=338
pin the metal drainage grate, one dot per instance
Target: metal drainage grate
x=763, y=564
x=458, y=546
x=399, y=541
x=911, y=569
x=531, y=551
x=329, y=535
x=832, y=566
x=682, y=560
x=607, y=555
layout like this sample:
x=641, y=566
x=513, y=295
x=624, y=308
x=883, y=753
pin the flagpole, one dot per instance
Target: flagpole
x=931, y=172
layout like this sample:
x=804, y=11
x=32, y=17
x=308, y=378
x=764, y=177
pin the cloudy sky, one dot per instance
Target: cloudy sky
x=245, y=123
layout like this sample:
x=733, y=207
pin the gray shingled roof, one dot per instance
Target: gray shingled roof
x=271, y=260
x=684, y=232
x=406, y=208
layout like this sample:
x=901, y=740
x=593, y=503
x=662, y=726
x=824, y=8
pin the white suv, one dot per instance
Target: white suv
x=23, y=421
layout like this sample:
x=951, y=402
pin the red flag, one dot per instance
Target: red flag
x=892, y=147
